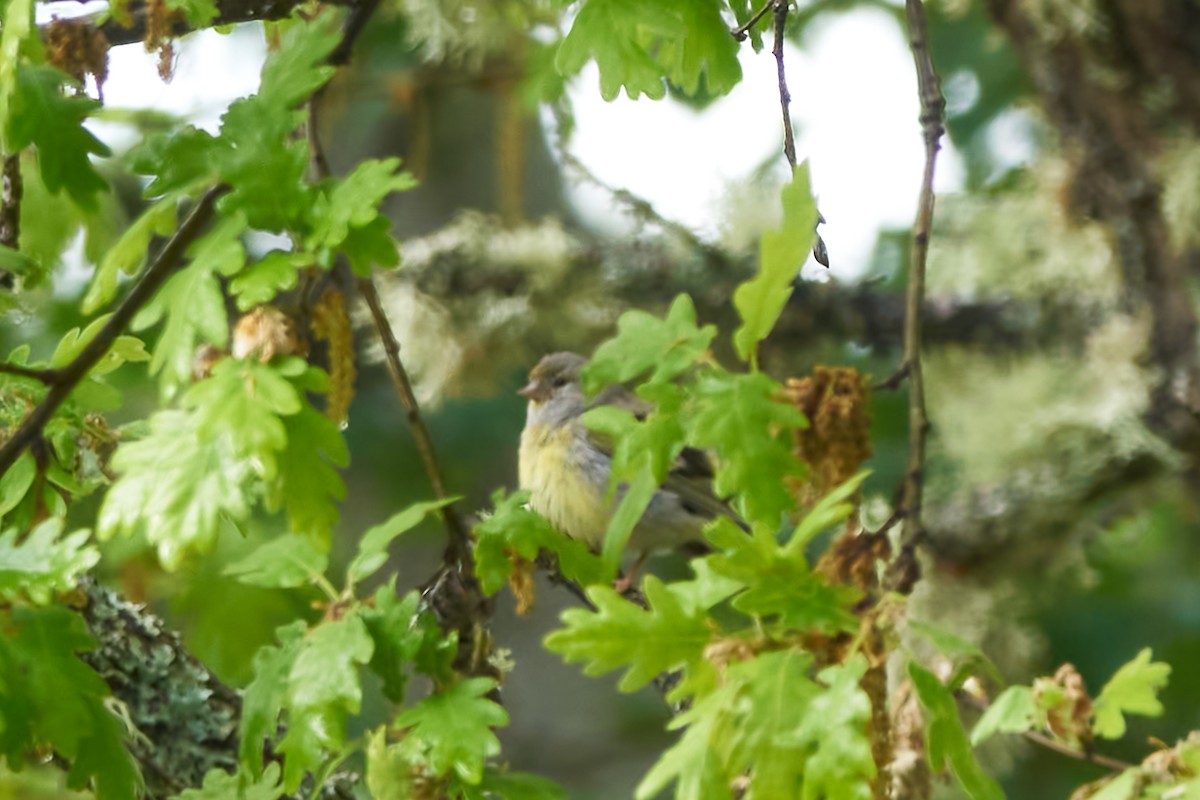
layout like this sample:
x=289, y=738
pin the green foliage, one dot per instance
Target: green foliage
x=638, y=45
x=946, y=742
x=372, y=547
x=51, y=698
x=512, y=529
x=219, y=455
x=283, y=562
x=191, y=304
x=1013, y=711
x=782, y=252
x=664, y=348
x=129, y=251
x=44, y=562
x=450, y=732
x=220, y=785
x=43, y=116
x=661, y=637
x=1132, y=690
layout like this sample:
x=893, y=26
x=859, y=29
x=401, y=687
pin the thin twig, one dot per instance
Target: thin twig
x=460, y=549
x=1098, y=759
x=165, y=265
x=1050, y=743
x=932, y=108
x=740, y=31
x=46, y=376
x=785, y=97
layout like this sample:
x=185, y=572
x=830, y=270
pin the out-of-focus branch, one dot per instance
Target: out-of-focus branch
x=65, y=380
x=932, y=108
x=228, y=13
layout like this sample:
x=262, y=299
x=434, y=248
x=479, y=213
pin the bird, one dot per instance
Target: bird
x=566, y=468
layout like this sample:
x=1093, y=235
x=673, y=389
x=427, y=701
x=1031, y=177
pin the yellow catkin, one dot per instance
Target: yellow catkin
x=331, y=324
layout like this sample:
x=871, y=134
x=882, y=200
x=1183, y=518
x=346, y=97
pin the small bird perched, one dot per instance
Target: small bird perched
x=566, y=467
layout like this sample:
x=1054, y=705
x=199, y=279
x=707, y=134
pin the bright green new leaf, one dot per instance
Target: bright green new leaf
x=42, y=563
x=832, y=509
x=179, y=161
x=122, y=350
x=264, y=698
x=645, y=343
x=1132, y=690
x=707, y=589
x=398, y=634
x=372, y=547
x=699, y=762
x=16, y=482
x=1014, y=711
x=323, y=688
x=946, y=740
x=243, y=402
x=275, y=272
x=608, y=30
x=388, y=770
x=746, y=422
x=761, y=299
x=176, y=484
x=191, y=303
x=664, y=636
x=512, y=529
x=353, y=203
x=129, y=252
x=701, y=46
x=517, y=786
x=309, y=485
x=18, y=29
x=636, y=499
x=655, y=441
x=220, y=785
x=284, y=562
x=451, y=731
x=44, y=116
x=51, y=697
x=1122, y=787
x=834, y=727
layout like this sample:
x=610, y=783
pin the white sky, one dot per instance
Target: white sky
x=854, y=107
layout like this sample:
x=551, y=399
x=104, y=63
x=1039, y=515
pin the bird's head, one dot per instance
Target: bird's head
x=554, y=388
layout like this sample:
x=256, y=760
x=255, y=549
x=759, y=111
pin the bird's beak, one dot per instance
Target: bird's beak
x=535, y=390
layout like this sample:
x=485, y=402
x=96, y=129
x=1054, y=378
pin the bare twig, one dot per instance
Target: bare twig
x=65, y=380
x=932, y=108
x=780, y=11
x=460, y=550
x=741, y=31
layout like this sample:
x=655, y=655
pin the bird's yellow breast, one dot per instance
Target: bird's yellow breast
x=562, y=489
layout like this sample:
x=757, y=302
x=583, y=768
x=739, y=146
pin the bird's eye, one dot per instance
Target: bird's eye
x=560, y=382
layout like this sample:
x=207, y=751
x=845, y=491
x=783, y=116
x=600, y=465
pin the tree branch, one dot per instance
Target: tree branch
x=780, y=12
x=65, y=379
x=932, y=108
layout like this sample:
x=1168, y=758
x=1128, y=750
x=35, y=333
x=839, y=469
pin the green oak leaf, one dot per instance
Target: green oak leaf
x=45, y=116
x=43, y=561
x=644, y=343
x=283, y=562
x=372, y=547
x=647, y=641
x=782, y=252
x=947, y=742
x=451, y=731
x=1132, y=690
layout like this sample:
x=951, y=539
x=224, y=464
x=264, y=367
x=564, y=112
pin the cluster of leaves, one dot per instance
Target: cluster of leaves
x=309, y=684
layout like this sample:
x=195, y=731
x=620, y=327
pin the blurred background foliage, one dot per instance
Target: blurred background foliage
x=1062, y=529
